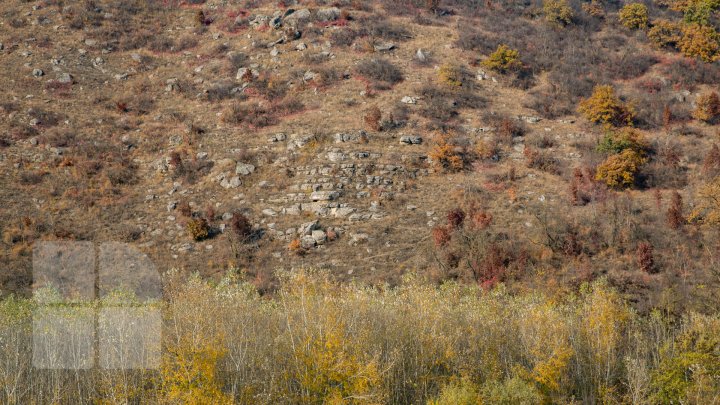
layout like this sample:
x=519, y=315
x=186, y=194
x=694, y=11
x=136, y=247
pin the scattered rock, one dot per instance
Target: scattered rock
x=269, y=212
x=232, y=182
x=243, y=72
x=244, y=169
x=411, y=139
x=308, y=227
x=319, y=236
x=324, y=195
x=280, y=137
x=409, y=100
x=384, y=47
x=65, y=78
x=171, y=205
x=297, y=15
x=530, y=119
x=421, y=56
x=38, y=73
x=301, y=46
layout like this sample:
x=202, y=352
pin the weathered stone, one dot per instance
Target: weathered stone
x=319, y=236
x=384, y=47
x=411, y=139
x=230, y=182
x=244, y=169
x=324, y=195
x=269, y=212
x=409, y=100
x=38, y=72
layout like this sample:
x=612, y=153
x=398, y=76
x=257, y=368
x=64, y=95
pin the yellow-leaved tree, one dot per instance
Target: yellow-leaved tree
x=605, y=107
x=619, y=170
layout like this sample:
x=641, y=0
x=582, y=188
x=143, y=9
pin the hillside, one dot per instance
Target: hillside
x=463, y=140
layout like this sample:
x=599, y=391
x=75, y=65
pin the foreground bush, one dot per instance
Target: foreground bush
x=317, y=341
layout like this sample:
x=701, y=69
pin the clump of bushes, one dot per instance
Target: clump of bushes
x=625, y=138
x=619, y=170
x=700, y=41
x=446, y=155
x=665, y=34
x=503, y=60
x=380, y=70
x=605, y=107
x=634, y=16
x=198, y=229
x=558, y=12
x=707, y=107
x=450, y=75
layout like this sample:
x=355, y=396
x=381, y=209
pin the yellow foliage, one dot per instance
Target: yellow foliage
x=503, y=59
x=446, y=156
x=604, y=318
x=450, y=74
x=619, y=170
x=332, y=373
x=665, y=33
x=707, y=107
x=634, y=16
x=700, y=41
x=606, y=108
x=707, y=205
x=189, y=374
x=558, y=12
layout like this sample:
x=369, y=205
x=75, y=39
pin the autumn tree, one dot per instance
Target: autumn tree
x=503, y=60
x=450, y=74
x=372, y=118
x=674, y=213
x=665, y=33
x=447, y=156
x=707, y=204
x=707, y=107
x=634, y=16
x=558, y=12
x=605, y=107
x=700, y=41
x=619, y=170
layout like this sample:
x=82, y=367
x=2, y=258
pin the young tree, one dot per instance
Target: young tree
x=619, y=170
x=558, y=12
x=605, y=107
x=707, y=107
x=503, y=60
x=634, y=16
x=700, y=41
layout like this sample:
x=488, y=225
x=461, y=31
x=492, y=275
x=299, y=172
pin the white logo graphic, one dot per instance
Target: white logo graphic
x=73, y=329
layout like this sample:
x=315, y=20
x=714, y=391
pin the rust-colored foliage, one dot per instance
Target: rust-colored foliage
x=645, y=259
x=441, y=235
x=455, y=218
x=707, y=107
x=372, y=119
x=674, y=214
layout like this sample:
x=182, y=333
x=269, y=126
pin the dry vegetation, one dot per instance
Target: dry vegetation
x=322, y=342
x=523, y=143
